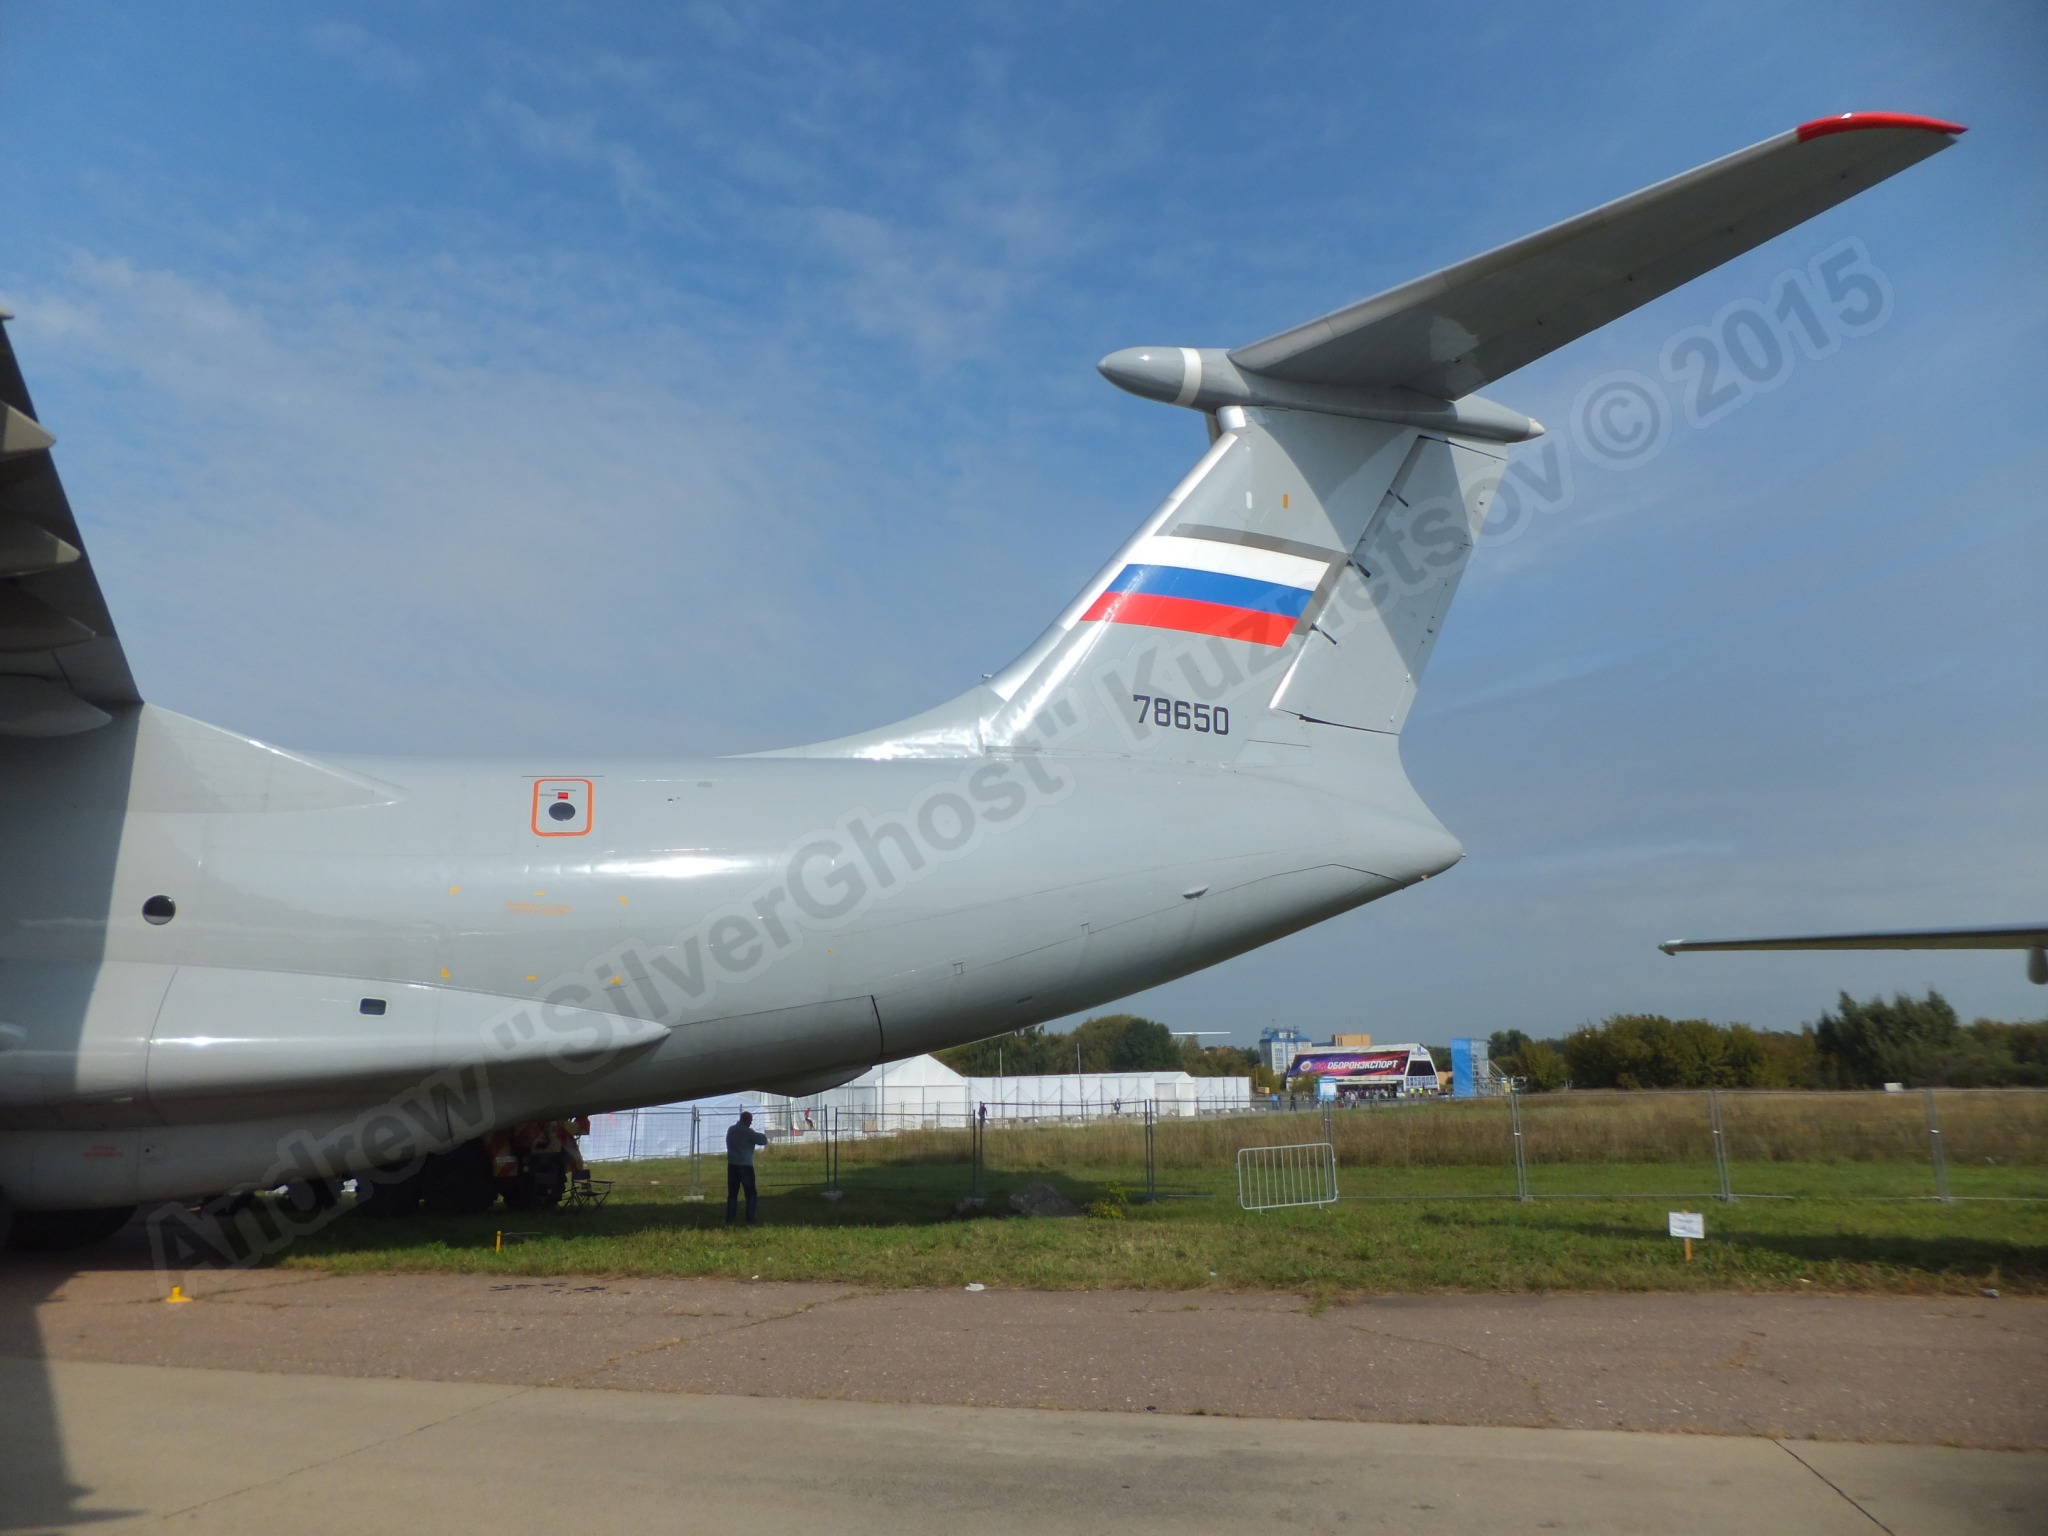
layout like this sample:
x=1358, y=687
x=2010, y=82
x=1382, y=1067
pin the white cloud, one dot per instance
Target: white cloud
x=576, y=140
x=376, y=59
x=346, y=508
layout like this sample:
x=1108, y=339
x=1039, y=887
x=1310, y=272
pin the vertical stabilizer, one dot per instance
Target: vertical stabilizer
x=1299, y=574
x=1360, y=664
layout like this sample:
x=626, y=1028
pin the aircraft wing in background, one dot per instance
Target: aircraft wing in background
x=61, y=665
x=2032, y=937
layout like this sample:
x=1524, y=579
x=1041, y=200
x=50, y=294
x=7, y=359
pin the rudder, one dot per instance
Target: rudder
x=1298, y=575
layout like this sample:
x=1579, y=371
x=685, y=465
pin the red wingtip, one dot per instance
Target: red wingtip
x=1848, y=122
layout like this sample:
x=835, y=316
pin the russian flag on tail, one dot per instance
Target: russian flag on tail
x=1208, y=587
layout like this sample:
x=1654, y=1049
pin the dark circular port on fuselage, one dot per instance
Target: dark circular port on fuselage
x=159, y=910
x=562, y=810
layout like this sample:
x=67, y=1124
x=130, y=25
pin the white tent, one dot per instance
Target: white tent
x=925, y=1091
x=1089, y=1095
x=903, y=1095
x=665, y=1130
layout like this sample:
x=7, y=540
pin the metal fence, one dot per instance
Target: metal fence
x=1271, y=1177
x=1725, y=1145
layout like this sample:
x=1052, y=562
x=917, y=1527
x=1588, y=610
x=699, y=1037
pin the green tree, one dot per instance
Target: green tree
x=1907, y=1040
x=1506, y=1045
x=1541, y=1067
x=1919, y=1042
x=1114, y=1042
x=1125, y=1042
x=2001, y=1055
x=1504, y=1049
x=1647, y=1050
x=1775, y=1058
x=1216, y=1060
x=1020, y=1053
x=1629, y=1050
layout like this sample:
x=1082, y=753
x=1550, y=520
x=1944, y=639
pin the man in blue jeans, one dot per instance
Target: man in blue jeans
x=740, y=1142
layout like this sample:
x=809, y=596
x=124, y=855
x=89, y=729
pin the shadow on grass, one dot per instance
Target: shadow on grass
x=1922, y=1255
x=909, y=1195
x=1945, y=1255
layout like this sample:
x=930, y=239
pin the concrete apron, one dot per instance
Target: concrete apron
x=234, y=1451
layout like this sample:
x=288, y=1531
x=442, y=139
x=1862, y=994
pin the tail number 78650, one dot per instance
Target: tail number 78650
x=1180, y=715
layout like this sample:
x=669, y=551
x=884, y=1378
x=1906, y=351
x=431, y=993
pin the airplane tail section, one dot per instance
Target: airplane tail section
x=1288, y=594
x=1297, y=577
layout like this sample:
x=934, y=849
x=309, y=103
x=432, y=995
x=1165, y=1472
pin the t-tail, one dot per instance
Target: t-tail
x=1277, y=611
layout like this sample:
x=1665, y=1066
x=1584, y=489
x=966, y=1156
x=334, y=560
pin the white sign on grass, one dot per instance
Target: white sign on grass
x=1688, y=1224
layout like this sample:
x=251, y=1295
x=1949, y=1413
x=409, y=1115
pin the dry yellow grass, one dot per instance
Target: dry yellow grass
x=2006, y=1127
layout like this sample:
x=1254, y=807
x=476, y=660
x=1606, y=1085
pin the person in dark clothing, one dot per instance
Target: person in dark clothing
x=740, y=1142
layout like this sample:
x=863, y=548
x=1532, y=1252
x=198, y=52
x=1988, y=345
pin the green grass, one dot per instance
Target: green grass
x=1839, y=1189
x=1448, y=1227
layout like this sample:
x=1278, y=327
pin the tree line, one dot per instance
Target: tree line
x=1114, y=1042
x=1915, y=1041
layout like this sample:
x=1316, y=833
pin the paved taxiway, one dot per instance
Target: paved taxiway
x=238, y=1452
x=295, y=1399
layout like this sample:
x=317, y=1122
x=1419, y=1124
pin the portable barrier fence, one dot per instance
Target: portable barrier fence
x=1271, y=1177
x=1685, y=1146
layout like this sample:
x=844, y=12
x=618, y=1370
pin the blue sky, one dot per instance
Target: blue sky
x=453, y=378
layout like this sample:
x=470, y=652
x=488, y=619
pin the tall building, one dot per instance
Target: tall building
x=1278, y=1047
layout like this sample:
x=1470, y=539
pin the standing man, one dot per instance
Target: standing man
x=740, y=1142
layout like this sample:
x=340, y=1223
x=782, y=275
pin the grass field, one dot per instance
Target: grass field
x=1425, y=1207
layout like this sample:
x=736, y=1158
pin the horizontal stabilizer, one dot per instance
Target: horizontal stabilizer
x=1457, y=330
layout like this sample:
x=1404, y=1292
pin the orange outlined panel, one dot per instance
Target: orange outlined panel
x=561, y=807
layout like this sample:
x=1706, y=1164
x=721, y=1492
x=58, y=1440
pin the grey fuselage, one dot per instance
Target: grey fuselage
x=704, y=926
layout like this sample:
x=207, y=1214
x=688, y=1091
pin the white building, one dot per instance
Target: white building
x=1279, y=1046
